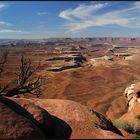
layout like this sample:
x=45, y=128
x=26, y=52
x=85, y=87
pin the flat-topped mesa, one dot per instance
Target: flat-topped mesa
x=132, y=93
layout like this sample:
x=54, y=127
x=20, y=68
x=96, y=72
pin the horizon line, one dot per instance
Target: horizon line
x=64, y=38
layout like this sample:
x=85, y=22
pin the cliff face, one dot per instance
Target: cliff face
x=51, y=118
x=132, y=94
x=129, y=123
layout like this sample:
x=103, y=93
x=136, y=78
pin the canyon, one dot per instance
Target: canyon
x=90, y=75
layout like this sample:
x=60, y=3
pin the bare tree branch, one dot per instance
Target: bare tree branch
x=3, y=89
x=25, y=85
x=3, y=60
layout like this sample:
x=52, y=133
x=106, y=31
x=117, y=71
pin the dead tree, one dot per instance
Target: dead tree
x=3, y=60
x=25, y=85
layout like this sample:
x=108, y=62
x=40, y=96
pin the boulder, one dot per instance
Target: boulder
x=50, y=125
x=132, y=93
x=52, y=118
x=129, y=90
x=40, y=116
x=14, y=126
x=79, y=118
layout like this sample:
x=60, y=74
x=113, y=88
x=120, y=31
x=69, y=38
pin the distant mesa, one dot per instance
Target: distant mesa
x=62, y=41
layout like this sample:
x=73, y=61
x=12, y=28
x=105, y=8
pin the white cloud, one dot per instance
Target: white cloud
x=81, y=12
x=137, y=4
x=42, y=13
x=86, y=16
x=12, y=31
x=4, y=23
x=2, y=6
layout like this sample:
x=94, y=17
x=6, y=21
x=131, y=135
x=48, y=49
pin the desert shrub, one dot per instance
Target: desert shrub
x=136, y=137
x=137, y=129
x=138, y=116
x=94, y=119
x=127, y=126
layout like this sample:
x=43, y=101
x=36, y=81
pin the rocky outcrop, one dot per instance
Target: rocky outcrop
x=14, y=126
x=132, y=93
x=50, y=126
x=130, y=121
x=51, y=118
x=80, y=119
x=37, y=114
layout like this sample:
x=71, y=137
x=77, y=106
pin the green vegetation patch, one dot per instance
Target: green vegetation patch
x=127, y=126
x=136, y=137
x=94, y=119
x=138, y=116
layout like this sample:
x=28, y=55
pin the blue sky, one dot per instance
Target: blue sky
x=32, y=20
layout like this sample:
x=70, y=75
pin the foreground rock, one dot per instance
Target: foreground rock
x=51, y=126
x=132, y=93
x=14, y=126
x=37, y=114
x=51, y=118
x=130, y=121
x=79, y=118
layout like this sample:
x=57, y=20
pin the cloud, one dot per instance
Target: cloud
x=86, y=16
x=81, y=12
x=12, y=31
x=42, y=13
x=4, y=23
x=2, y=6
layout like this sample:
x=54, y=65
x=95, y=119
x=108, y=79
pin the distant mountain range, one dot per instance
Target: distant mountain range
x=63, y=40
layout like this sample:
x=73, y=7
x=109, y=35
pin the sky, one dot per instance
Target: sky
x=40, y=20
